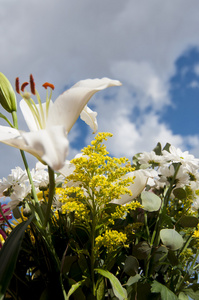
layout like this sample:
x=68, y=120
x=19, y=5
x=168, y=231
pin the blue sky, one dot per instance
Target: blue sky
x=151, y=46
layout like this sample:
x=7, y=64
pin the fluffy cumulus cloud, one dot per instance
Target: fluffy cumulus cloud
x=134, y=41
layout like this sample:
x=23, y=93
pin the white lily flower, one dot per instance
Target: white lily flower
x=49, y=123
x=140, y=181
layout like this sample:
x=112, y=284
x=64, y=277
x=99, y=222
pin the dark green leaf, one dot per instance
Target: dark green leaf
x=166, y=294
x=166, y=147
x=131, y=266
x=158, y=149
x=141, y=250
x=9, y=254
x=180, y=193
x=188, y=221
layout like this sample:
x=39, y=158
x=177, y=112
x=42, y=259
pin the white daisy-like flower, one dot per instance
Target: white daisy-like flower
x=16, y=178
x=166, y=175
x=151, y=158
x=176, y=155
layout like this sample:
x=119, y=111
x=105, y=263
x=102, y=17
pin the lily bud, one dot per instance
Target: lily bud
x=7, y=95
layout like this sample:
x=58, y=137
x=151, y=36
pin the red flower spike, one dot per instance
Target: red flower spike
x=50, y=85
x=32, y=84
x=23, y=86
x=17, y=85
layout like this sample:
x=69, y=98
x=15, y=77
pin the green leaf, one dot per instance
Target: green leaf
x=171, y=238
x=133, y=279
x=188, y=221
x=183, y=296
x=180, y=193
x=118, y=290
x=166, y=147
x=150, y=201
x=166, y=294
x=9, y=254
x=158, y=149
x=100, y=290
x=74, y=287
x=141, y=250
x=191, y=293
x=131, y=266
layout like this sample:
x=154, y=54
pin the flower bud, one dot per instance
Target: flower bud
x=7, y=95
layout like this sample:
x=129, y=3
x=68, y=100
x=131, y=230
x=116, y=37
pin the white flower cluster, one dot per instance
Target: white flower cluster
x=17, y=186
x=165, y=167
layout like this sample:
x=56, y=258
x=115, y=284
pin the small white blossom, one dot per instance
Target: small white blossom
x=176, y=155
x=151, y=158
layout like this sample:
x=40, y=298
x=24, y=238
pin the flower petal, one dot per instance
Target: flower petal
x=68, y=106
x=51, y=144
x=89, y=117
x=31, y=121
x=136, y=188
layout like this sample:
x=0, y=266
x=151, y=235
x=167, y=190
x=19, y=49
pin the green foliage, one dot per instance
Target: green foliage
x=9, y=254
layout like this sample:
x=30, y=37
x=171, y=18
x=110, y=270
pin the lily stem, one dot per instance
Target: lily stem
x=51, y=194
x=34, y=194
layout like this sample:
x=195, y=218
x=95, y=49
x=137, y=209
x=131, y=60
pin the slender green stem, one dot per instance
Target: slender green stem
x=51, y=194
x=34, y=194
x=147, y=227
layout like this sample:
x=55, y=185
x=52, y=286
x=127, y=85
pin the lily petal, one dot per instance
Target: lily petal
x=29, y=117
x=51, y=142
x=68, y=106
x=49, y=146
x=89, y=117
x=136, y=188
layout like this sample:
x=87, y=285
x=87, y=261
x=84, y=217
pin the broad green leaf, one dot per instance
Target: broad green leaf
x=131, y=266
x=150, y=201
x=183, y=296
x=133, y=279
x=192, y=294
x=118, y=290
x=141, y=250
x=180, y=193
x=171, y=238
x=9, y=254
x=166, y=294
x=188, y=221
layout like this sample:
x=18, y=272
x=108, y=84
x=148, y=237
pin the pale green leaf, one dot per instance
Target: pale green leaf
x=171, y=238
x=118, y=290
x=150, y=201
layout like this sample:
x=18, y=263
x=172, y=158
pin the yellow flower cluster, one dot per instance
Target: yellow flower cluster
x=122, y=210
x=99, y=175
x=111, y=240
x=73, y=201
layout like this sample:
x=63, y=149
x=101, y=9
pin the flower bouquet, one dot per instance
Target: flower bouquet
x=96, y=227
